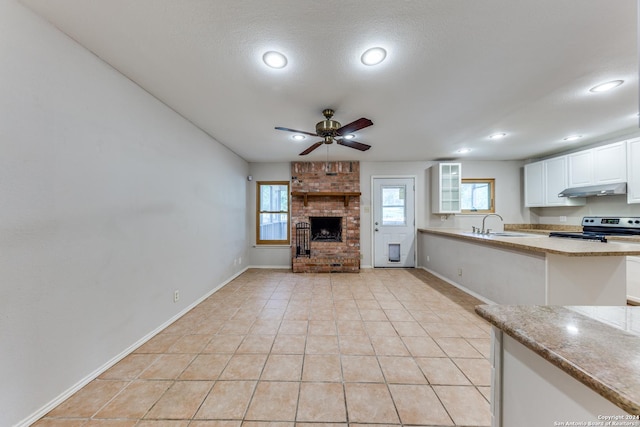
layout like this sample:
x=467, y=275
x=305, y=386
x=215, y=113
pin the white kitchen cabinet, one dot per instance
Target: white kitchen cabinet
x=580, y=169
x=446, y=182
x=633, y=171
x=544, y=180
x=600, y=165
x=556, y=180
x=534, y=184
x=610, y=163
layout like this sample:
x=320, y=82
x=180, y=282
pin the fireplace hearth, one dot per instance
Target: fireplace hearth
x=326, y=228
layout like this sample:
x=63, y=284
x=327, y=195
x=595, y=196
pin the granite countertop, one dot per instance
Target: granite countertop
x=598, y=346
x=542, y=243
x=548, y=228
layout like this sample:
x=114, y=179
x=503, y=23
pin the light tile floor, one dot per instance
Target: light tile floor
x=385, y=347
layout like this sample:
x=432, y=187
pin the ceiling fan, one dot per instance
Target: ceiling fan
x=331, y=130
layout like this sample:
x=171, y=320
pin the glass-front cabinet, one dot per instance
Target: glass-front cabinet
x=445, y=188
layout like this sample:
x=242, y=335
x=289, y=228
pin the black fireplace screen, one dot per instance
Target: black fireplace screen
x=302, y=240
x=326, y=228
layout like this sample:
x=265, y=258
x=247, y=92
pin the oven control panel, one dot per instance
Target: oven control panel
x=611, y=221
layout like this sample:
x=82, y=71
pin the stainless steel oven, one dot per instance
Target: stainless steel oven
x=599, y=227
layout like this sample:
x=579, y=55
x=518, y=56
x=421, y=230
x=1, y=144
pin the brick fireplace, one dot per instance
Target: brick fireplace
x=325, y=204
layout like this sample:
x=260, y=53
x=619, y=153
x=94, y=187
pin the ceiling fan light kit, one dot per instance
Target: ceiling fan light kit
x=332, y=131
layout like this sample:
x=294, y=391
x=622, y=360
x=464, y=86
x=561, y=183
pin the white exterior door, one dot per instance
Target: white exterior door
x=394, y=229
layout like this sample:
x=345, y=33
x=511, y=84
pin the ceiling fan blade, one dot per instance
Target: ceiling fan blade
x=313, y=147
x=354, y=126
x=296, y=131
x=353, y=144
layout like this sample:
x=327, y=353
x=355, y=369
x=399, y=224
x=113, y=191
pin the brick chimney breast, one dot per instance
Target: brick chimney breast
x=327, y=177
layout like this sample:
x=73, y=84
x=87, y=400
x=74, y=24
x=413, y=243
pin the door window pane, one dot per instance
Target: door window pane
x=394, y=210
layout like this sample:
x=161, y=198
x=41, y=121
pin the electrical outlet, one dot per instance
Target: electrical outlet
x=459, y=272
x=240, y=261
x=428, y=259
x=176, y=296
x=563, y=218
x=443, y=218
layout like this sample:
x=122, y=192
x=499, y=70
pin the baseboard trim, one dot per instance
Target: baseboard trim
x=95, y=374
x=271, y=267
x=459, y=286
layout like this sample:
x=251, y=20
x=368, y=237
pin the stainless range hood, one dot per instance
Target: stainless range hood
x=595, y=190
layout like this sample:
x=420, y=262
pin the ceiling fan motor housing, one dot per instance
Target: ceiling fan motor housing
x=327, y=127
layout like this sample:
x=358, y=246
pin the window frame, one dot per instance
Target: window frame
x=260, y=241
x=492, y=201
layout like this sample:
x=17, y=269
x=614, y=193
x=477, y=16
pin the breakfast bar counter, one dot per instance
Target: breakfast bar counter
x=528, y=268
x=536, y=242
x=557, y=365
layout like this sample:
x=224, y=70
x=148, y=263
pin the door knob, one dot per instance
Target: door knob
x=376, y=224
x=376, y=229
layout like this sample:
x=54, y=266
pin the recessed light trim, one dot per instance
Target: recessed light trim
x=497, y=135
x=274, y=59
x=603, y=87
x=373, y=56
x=463, y=150
x=299, y=137
x=572, y=137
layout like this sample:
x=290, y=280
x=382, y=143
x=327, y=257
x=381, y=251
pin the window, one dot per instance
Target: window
x=478, y=195
x=394, y=211
x=272, y=213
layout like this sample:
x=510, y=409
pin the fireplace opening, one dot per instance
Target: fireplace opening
x=326, y=228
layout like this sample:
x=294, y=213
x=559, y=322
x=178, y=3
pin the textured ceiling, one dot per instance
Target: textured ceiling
x=456, y=70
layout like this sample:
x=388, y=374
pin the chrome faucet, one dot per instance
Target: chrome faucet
x=485, y=217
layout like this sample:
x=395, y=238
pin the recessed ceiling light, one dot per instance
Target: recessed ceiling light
x=349, y=136
x=463, y=150
x=274, y=59
x=603, y=87
x=498, y=135
x=299, y=137
x=572, y=137
x=373, y=56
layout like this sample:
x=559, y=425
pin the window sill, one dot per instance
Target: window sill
x=272, y=246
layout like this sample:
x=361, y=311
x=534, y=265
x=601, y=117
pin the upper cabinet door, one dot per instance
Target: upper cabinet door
x=610, y=163
x=534, y=184
x=556, y=180
x=600, y=165
x=445, y=188
x=633, y=171
x=581, y=171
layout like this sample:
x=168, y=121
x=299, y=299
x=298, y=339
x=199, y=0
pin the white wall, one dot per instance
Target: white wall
x=389, y=169
x=508, y=196
x=509, y=202
x=110, y=201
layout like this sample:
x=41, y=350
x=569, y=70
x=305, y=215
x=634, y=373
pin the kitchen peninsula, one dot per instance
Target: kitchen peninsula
x=580, y=365
x=522, y=268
